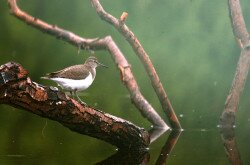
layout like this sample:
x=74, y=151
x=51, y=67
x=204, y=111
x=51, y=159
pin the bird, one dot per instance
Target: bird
x=77, y=77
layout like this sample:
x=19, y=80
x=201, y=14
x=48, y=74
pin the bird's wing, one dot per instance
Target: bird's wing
x=73, y=72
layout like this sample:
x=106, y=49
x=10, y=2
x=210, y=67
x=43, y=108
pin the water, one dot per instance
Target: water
x=43, y=145
x=194, y=52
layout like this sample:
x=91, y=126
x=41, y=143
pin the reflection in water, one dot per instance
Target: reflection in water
x=142, y=156
x=127, y=157
x=168, y=147
x=229, y=142
x=155, y=134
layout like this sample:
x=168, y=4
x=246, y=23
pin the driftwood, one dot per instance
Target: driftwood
x=242, y=37
x=105, y=43
x=18, y=90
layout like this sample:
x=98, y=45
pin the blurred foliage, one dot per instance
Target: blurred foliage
x=190, y=43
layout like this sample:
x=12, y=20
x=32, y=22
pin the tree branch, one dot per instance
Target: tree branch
x=17, y=89
x=143, y=56
x=96, y=44
x=242, y=36
x=238, y=23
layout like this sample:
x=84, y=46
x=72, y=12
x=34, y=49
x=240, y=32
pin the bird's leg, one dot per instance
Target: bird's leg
x=71, y=94
x=75, y=92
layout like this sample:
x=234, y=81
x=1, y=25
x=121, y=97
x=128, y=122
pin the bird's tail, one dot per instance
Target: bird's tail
x=49, y=75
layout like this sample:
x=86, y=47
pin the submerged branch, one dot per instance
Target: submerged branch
x=105, y=43
x=18, y=90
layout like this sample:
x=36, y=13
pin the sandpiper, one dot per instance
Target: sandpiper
x=77, y=77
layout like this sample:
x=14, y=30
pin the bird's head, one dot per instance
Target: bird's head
x=93, y=61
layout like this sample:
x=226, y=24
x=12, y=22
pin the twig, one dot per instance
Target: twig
x=242, y=37
x=143, y=56
x=95, y=44
x=16, y=89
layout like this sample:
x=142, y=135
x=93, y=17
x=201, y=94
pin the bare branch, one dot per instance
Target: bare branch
x=238, y=23
x=143, y=56
x=242, y=36
x=104, y=43
x=16, y=89
x=53, y=29
x=238, y=84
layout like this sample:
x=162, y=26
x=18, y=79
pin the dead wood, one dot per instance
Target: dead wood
x=18, y=90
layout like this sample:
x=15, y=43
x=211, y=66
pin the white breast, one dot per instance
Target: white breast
x=71, y=85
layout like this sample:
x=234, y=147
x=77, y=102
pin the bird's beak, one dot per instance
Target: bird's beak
x=102, y=65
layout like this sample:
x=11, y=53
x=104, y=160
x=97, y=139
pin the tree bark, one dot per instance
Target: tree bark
x=18, y=90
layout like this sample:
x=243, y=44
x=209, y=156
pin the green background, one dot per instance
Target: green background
x=194, y=52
